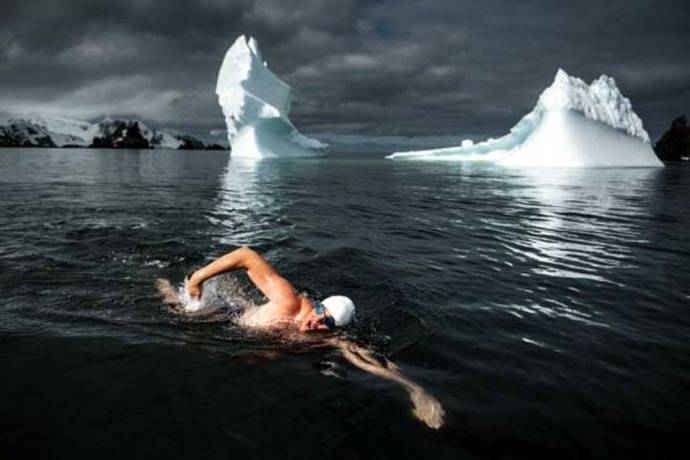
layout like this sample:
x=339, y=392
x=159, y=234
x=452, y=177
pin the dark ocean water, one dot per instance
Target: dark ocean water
x=546, y=309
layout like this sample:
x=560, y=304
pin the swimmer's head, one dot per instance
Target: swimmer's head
x=340, y=308
x=335, y=311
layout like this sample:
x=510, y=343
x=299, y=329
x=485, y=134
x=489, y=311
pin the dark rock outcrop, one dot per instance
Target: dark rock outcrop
x=120, y=135
x=674, y=145
x=215, y=147
x=191, y=143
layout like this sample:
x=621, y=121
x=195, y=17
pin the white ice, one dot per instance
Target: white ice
x=256, y=104
x=572, y=125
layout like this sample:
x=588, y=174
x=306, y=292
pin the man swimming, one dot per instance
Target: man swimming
x=285, y=307
x=288, y=309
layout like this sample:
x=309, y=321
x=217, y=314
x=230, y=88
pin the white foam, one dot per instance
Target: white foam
x=224, y=292
x=208, y=303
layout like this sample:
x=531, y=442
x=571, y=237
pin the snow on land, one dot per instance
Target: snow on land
x=66, y=131
x=572, y=125
x=256, y=104
x=62, y=131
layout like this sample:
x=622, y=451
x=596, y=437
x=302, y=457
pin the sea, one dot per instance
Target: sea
x=548, y=310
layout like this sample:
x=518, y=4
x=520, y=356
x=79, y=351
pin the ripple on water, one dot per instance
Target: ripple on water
x=496, y=288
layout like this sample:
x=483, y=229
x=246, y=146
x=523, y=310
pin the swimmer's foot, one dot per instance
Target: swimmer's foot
x=168, y=293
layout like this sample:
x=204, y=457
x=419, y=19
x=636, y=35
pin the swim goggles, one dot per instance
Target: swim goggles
x=321, y=310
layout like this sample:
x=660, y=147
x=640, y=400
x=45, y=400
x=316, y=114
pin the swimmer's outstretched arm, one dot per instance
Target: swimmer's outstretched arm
x=262, y=274
x=426, y=407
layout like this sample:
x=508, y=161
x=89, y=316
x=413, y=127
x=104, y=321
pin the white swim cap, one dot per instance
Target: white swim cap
x=340, y=308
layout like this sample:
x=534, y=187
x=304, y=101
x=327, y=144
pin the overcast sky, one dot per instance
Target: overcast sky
x=365, y=67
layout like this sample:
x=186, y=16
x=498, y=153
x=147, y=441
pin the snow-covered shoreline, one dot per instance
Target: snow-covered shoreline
x=33, y=130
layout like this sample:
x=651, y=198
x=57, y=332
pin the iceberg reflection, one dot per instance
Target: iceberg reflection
x=582, y=225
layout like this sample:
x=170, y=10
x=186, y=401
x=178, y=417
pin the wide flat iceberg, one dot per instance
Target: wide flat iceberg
x=256, y=104
x=572, y=125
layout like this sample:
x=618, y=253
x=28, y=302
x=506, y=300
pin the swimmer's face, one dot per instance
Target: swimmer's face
x=313, y=322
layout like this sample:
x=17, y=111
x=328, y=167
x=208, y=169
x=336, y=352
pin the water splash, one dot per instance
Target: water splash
x=220, y=292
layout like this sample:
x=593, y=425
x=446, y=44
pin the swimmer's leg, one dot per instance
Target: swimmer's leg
x=168, y=293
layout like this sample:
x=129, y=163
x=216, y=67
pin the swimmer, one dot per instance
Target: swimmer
x=287, y=309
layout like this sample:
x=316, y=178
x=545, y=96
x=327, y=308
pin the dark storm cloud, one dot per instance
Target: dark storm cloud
x=385, y=67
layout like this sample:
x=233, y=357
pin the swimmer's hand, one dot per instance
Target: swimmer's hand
x=427, y=408
x=194, y=288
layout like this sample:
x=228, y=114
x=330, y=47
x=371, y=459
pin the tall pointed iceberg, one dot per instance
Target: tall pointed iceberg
x=572, y=125
x=256, y=104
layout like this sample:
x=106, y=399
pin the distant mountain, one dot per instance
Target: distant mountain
x=49, y=131
x=674, y=145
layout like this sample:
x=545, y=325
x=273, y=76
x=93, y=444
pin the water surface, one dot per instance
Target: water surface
x=546, y=309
